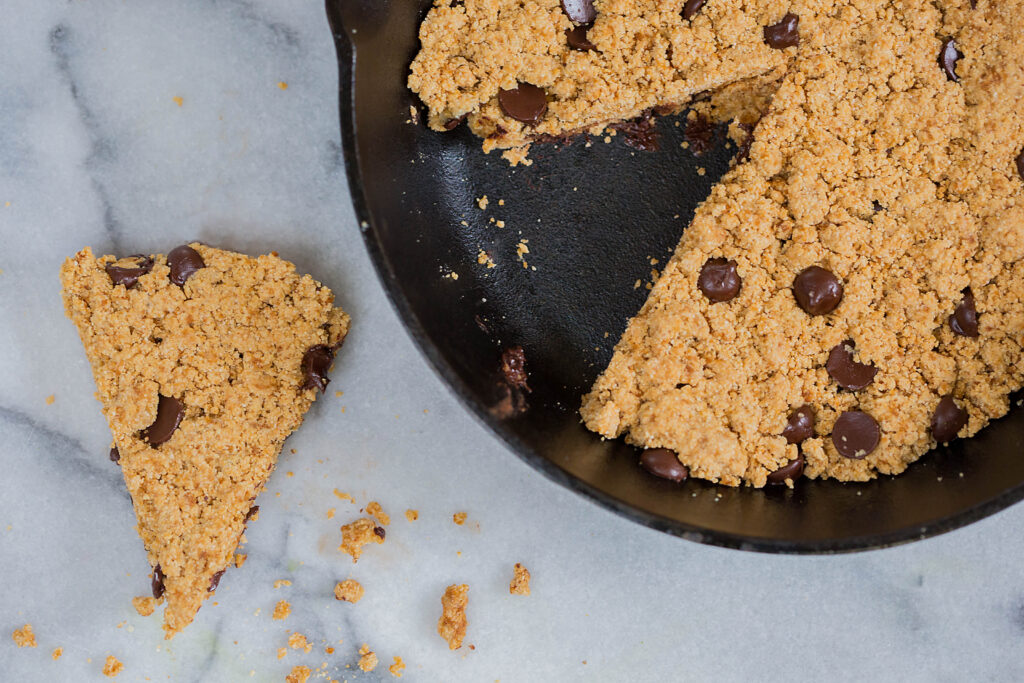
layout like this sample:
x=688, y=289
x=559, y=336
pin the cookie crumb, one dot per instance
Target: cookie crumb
x=112, y=667
x=520, y=584
x=518, y=155
x=144, y=605
x=57, y=652
x=452, y=624
x=281, y=652
x=377, y=512
x=368, y=660
x=240, y=559
x=482, y=203
x=298, y=641
x=178, y=100
x=50, y=399
x=459, y=518
x=282, y=582
x=330, y=513
x=24, y=636
x=359, y=533
x=348, y=590
x=412, y=515
x=397, y=668
x=299, y=674
x=344, y=496
x=282, y=85
x=484, y=259
x=281, y=610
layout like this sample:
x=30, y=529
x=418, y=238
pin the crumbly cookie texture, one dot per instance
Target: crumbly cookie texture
x=359, y=533
x=645, y=55
x=349, y=590
x=112, y=667
x=367, y=658
x=24, y=636
x=520, y=584
x=452, y=623
x=904, y=181
x=199, y=364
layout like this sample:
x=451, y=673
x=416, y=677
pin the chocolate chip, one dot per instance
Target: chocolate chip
x=169, y=412
x=792, y=470
x=718, y=280
x=817, y=290
x=691, y=7
x=700, y=134
x=513, y=367
x=129, y=275
x=452, y=124
x=855, y=434
x=577, y=38
x=948, y=420
x=784, y=34
x=580, y=11
x=661, y=462
x=847, y=372
x=964, y=320
x=948, y=57
x=215, y=581
x=316, y=362
x=253, y=511
x=641, y=133
x=115, y=455
x=379, y=530
x=526, y=103
x=799, y=425
x=184, y=261
x=1020, y=164
x=743, y=150
x=158, y=582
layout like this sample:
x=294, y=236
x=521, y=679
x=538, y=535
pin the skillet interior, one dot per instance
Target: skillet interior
x=593, y=216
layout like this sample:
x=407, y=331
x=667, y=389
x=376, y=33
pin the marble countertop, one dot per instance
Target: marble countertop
x=96, y=148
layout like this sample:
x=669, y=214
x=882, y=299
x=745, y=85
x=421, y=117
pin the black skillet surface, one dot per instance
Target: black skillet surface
x=592, y=216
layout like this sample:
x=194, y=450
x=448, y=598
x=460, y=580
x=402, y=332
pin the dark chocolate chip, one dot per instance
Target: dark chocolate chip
x=718, y=280
x=129, y=275
x=691, y=7
x=784, y=34
x=580, y=11
x=158, y=582
x=700, y=134
x=452, y=124
x=847, y=372
x=793, y=470
x=253, y=511
x=948, y=420
x=577, y=38
x=855, y=434
x=964, y=320
x=379, y=530
x=526, y=103
x=817, y=290
x=184, y=261
x=1020, y=164
x=641, y=133
x=115, y=455
x=169, y=412
x=743, y=150
x=315, y=365
x=513, y=367
x=948, y=57
x=800, y=425
x=215, y=581
x=661, y=462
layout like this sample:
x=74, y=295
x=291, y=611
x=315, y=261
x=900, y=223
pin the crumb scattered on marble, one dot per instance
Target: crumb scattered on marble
x=412, y=515
x=298, y=641
x=299, y=674
x=397, y=668
x=178, y=100
x=368, y=658
x=281, y=652
x=377, y=512
x=282, y=582
x=520, y=584
x=24, y=636
x=281, y=610
x=452, y=624
x=344, y=496
x=349, y=590
x=57, y=652
x=50, y=399
x=144, y=605
x=112, y=667
x=282, y=85
x=459, y=518
x=358, y=534
x=240, y=559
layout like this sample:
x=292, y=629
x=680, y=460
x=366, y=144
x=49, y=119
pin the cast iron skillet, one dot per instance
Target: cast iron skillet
x=592, y=216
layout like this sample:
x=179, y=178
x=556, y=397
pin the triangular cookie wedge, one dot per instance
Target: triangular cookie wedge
x=205, y=361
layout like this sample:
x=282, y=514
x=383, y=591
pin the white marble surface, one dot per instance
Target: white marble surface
x=94, y=151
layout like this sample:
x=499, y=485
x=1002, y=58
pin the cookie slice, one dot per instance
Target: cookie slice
x=528, y=70
x=204, y=360
x=854, y=293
